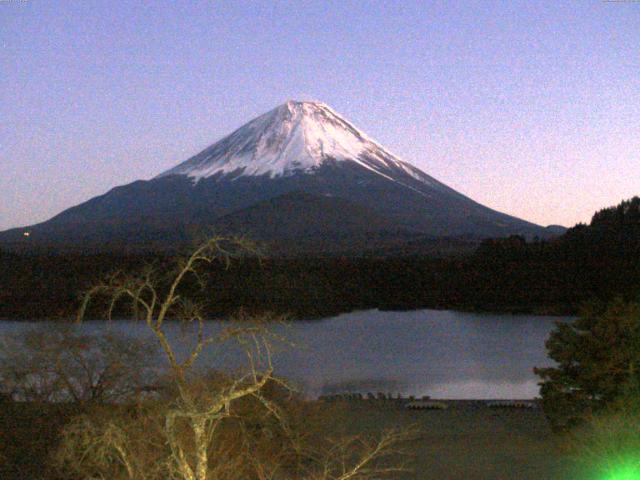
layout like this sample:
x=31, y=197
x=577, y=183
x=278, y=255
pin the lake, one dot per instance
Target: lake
x=444, y=354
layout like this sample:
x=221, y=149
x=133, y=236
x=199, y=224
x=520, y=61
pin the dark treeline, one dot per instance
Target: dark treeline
x=600, y=260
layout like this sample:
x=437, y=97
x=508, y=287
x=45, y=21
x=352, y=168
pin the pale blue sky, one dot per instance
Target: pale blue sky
x=532, y=108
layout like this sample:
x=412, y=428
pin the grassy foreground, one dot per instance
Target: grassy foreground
x=466, y=441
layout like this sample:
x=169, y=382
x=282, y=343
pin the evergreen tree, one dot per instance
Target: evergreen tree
x=598, y=360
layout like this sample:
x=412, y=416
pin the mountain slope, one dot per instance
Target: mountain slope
x=302, y=223
x=297, y=147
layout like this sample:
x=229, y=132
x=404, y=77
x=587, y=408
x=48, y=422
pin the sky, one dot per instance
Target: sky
x=529, y=107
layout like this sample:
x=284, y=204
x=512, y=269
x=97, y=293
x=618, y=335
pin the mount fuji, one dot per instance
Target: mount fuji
x=299, y=178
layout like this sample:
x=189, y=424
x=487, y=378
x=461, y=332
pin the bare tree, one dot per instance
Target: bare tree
x=60, y=364
x=224, y=426
x=354, y=457
x=201, y=413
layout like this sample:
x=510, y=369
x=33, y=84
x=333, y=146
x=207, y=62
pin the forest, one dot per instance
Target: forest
x=595, y=261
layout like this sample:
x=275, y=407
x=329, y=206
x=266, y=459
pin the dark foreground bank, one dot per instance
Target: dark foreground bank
x=467, y=440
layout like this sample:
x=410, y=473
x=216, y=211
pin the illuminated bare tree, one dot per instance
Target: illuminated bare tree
x=155, y=305
x=208, y=427
x=356, y=457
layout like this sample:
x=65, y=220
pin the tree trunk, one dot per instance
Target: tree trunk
x=200, y=438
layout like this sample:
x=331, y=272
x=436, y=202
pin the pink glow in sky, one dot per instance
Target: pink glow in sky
x=531, y=108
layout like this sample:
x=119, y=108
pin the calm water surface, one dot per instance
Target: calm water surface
x=444, y=354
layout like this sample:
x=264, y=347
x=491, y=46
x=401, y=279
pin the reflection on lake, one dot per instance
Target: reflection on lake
x=443, y=354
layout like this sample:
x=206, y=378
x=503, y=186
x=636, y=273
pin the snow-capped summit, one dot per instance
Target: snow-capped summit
x=294, y=137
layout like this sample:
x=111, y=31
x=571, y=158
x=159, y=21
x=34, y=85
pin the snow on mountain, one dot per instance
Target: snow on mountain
x=294, y=137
